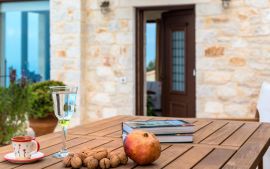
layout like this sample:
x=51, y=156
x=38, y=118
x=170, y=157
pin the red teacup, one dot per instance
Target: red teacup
x=24, y=146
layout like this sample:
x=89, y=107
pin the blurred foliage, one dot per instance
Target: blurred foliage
x=150, y=106
x=14, y=104
x=151, y=66
x=41, y=99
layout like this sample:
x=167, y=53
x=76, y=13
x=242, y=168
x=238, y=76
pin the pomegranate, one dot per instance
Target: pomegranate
x=142, y=147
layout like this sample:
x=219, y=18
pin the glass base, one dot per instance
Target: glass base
x=61, y=154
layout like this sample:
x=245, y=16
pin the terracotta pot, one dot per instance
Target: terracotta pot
x=44, y=125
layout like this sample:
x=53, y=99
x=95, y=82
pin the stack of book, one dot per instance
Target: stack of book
x=176, y=131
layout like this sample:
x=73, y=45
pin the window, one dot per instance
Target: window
x=24, y=40
x=178, y=61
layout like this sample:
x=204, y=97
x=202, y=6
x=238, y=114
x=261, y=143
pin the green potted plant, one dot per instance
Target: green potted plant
x=41, y=115
x=14, y=104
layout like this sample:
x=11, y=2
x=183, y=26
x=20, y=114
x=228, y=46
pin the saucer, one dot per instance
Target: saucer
x=34, y=157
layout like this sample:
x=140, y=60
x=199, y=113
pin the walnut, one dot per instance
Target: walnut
x=88, y=152
x=82, y=155
x=76, y=161
x=110, y=154
x=101, y=154
x=100, y=149
x=67, y=160
x=104, y=163
x=114, y=161
x=123, y=158
x=92, y=163
x=85, y=161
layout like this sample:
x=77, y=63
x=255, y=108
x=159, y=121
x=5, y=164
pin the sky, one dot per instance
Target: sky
x=150, y=42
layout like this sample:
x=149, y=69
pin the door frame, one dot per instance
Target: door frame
x=139, y=53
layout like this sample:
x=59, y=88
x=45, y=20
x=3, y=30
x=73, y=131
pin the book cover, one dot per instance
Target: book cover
x=169, y=138
x=157, y=123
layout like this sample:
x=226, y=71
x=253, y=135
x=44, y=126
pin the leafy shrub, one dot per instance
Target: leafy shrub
x=14, y=103
x=41, y=101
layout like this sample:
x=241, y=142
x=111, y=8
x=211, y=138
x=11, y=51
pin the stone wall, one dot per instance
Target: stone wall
x=95, y=51
x=232, y=57
x=66, y=47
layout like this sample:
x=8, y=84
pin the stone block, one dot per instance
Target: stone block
x=206, y=91
x=206, y=36
x=238, y=61
x=239, y=43
x=257, y=3
x=104, y=38
x=109, y=112
x=226, y=92
x=237, y=110
x=124, y=13
x=217, y=77
x=109, y=87
x=125, y=25
x=247, y=78
x=71, y=28
x=113, y=26
x=266, y=15
x=104, y=71
x=61, y=53
x=212, y=107
x=205, y=9
x=124, y=38
x=101, y=98
x=214, y=51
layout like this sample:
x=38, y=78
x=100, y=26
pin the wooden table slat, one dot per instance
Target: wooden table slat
x=215, y=159
x=208, y=130
x=167, y=156
x=117, y=134
x=8, y=165
x=189, y=158
x=222, y=134
x=96, y=123
x=75, y=142
x=131, y=164
x=99, y=126
x=200, y=124
x=116, y=128
x=250, y=154
x=241, y=135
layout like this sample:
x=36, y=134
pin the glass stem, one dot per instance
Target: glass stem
x=64, y=148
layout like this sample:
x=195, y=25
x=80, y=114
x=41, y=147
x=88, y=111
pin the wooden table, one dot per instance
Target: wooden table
x=217, y=144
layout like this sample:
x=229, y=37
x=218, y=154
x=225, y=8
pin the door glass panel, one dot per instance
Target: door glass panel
x=178, y=61
x=24, y=40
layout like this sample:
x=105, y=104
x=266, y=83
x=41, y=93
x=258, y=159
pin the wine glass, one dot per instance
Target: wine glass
x=64, y=103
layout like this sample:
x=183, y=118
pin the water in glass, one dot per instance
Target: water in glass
x=64, y=102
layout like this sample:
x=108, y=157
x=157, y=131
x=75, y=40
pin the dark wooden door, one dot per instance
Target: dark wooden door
x=178, y=34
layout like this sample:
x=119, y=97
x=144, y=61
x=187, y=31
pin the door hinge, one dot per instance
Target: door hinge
x=194, y=72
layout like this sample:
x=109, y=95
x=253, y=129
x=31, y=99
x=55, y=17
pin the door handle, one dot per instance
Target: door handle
x=194, y=72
